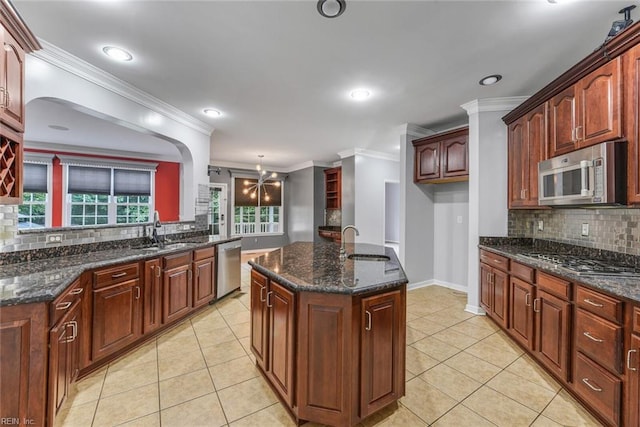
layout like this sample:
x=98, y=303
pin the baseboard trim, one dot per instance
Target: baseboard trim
x=474, y=309
x=425, y=283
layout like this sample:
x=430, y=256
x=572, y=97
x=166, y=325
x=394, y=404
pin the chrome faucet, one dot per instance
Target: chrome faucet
x=343, y=250
x=154, y=233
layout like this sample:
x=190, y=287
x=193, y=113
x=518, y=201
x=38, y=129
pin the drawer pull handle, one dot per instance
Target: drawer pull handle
x=74, y=331
x=591, y=337
x=262, y=299
x=527, y=297
x=63, y=305
x=368, y=315
x=268, y=300
x=76, y=291
x=595, y=304
x=121, y=274
x=586, y=381
x=137, y=292
x=629, y=360
x=535, y=309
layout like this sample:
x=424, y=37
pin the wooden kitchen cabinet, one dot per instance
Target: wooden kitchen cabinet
x=117, y=310
x=588, y=112
x=204, y=272
x=23, y=366
x=631, y=61
x=152, y=317
x=259, y=318
x=11, y=82
x=442, y=158
x=177, y=286
x=494, y=286
x=633, y=370
x=521, y=324
x=333, y=188
x=382, y=381
x=527, y=139
x=11, y=154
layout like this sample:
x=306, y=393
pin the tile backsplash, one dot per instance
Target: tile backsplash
x=611, y=229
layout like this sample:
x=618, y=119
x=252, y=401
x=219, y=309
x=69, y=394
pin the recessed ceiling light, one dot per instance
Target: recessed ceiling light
x=490, y=80
x=331, y=8
x=360, y=94
x=58, y=127
x=211, y=112
x=117, y=53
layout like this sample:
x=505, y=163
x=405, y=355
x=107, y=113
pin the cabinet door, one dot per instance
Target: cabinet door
x=632, y=122
x=552, y=332
x=516, y=163
x=204, y=281
x=562, y=122
x=500, y=297
x=10, y=167
x=427, y=158
x=381, y=366
x=633, y=385
x=521, y=296
x=13, y=83
x=455, y=158
x=116, y=317
x=281, y=333
x=534, y=152
x=176, y=293
x=152, y=295
x=485, y=288
x=259, y=319
x=599, y=105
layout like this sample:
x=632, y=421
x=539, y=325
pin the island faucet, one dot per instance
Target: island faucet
x=343, y=250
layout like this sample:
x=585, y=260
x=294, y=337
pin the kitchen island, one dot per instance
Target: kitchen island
x=329, y=335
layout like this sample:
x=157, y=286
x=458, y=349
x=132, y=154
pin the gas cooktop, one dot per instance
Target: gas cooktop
x=584, y=266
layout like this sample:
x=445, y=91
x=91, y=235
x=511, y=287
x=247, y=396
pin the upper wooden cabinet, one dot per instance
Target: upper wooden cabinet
x=527, y=147
x=588, y=112
x=333, y=188
x=442, y=158
x=631, y=61
x=11, y=82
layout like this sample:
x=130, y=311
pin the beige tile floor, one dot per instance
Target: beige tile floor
x=461, y=371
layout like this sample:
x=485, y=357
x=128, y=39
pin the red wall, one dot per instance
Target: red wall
x=167, y=186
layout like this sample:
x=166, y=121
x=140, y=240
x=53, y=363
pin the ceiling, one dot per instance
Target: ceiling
x=281, y=74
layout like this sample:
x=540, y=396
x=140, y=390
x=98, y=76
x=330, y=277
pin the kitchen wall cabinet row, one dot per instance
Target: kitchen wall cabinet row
x=16, y=40
x=333, y=188
x=104, y=313
x=442, y=158
x=332, y=358
x=586, y=339
x=597, y=100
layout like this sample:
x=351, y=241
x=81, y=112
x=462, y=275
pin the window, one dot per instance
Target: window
x=257, y=206
x=108, y=193
x=35, y=207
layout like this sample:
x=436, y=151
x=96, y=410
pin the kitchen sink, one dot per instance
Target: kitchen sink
x=165, y=247
x=368, y=257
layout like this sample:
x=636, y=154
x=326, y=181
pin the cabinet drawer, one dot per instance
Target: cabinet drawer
x=494, y=260
x=119, y=273
x=597, y=303
x=258, y=278
x=599, y=339
x=599, y=388
x=61, y=305
x=204, y=253
x=176, y=260
x=554, y=285
x=635, y=318
x=523, y=272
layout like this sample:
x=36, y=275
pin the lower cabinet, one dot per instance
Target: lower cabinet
x=521, y=324
x=494, y=294
x=552, y=333
x=280, y=332
x=259, y=319
x=633, y=372
x=177, y=288
x=152, y=317
x=204, y=272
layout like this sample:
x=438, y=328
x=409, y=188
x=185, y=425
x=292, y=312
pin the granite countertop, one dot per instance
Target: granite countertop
x=316, y=267
x=44, y=280
x=625, y=287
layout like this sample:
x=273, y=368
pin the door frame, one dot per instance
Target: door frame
x=224, y=207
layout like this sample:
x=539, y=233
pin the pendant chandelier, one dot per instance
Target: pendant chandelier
x=260, y=189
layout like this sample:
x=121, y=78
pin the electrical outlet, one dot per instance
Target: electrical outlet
x=459, y=219
x=540, y=225
x=585, y=228
x=54, y=238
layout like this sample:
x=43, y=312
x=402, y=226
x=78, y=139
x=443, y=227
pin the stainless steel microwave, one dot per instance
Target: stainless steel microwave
x=594, y=175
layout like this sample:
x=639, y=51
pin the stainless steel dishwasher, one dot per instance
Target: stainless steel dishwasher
x=228, y=268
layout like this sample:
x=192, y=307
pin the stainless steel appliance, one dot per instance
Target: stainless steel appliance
x=584, y=266
x=228, y=279
x=591, y=176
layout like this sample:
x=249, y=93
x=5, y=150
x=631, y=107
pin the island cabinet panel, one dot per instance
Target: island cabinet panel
x=259, y=318
x=631, y=61
x=177, y=288
x=23, y=366
x=383, y=343
x=633, y=374
x=325, y=343
x=280, y=362
x=152, y=295
x=552, y=332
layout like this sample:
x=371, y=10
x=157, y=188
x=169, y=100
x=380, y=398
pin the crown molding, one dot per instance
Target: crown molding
x=488, y=105
x=76, y=149
x=414, y=130
x=368, y=153
x=288, y=169
x=78, y=67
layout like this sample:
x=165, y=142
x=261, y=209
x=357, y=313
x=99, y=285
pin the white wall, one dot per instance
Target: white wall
x=392, y=212
x=370, y=176
x=45, y=80
x=451, y=234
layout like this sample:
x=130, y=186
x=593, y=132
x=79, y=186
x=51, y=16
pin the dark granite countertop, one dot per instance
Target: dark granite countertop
x=316, y=267
x=517, y=249
x=44, y=280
